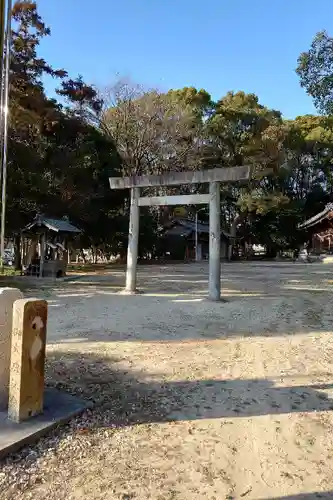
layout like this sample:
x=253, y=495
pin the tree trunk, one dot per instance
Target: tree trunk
x=17, y=254
x=271, y=252
x=233, y=233
x=94, y=254
x=83, y=256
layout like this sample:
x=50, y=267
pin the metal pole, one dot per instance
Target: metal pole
x=2, y=24
x=42, y=254
x=2, y=43
x=196, y=236
x=5, y=113
x=133, y=242
x=214, y=242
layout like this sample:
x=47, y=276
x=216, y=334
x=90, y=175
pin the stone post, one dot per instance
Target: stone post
x=26, y=387
x=133, y=241
x=214, y=242
x=7, y=299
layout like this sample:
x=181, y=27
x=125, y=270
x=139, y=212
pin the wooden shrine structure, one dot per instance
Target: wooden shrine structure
x=44, y=245
x=320, y=229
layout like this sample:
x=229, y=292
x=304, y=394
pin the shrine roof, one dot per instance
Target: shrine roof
x=316, y=219
x=56, y=225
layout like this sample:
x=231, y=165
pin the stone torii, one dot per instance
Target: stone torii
x=213, y=177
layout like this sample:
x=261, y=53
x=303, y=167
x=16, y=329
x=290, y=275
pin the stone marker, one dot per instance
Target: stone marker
x=7, y=299
x=26, y=387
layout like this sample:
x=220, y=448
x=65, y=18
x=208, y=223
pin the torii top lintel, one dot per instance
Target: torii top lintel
x=228, y=174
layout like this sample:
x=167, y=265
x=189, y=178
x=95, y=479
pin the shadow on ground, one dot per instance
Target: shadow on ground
x=123, y=398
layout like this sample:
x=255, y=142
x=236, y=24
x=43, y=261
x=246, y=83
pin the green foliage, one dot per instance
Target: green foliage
x=277, y=228
x=59, y=163
x=315, y=69
x=198, y=101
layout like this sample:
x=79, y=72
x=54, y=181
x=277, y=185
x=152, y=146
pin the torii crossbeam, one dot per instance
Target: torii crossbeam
x=213, y=177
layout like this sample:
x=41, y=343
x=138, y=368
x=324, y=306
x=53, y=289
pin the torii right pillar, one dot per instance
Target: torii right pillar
x=214, y=242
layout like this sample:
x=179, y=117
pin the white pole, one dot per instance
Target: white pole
x=196, y=237
x=4, y=131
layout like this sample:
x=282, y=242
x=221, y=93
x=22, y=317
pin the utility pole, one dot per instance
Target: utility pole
x=2, y=43
x=2, y=26
x=5, y=47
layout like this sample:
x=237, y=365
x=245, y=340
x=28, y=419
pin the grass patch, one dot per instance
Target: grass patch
x=10, y=271
x=92, y=268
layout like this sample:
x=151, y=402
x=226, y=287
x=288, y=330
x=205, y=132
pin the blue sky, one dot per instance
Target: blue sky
x=218, y=45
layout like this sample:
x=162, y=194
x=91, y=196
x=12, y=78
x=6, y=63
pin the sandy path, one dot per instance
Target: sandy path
x=193, y=400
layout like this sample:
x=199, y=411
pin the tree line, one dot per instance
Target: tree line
x=62, y=151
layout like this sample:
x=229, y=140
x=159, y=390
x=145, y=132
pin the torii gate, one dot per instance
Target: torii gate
x=213, y=177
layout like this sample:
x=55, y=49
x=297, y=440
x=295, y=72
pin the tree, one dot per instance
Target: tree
x=304, y=181
x=80, y=161
x=315, y=69
x=84, y=99
x=153, y=132
x=308, y=172
x=59, y=163
x=242, y=131
x=31, y=113
x=199, y=101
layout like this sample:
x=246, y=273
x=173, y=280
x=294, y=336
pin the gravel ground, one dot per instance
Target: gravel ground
x=193, y=399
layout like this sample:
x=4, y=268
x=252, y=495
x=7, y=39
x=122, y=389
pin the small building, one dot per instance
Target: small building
x=180, y=239
x=320, y=231
x=44, y=246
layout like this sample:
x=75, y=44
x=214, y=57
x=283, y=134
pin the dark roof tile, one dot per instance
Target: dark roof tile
x=317, y=218
x=56, y=225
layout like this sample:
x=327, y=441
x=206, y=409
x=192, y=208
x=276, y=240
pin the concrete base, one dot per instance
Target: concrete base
x=221, y=300
x=130, y=292
x=59, y=408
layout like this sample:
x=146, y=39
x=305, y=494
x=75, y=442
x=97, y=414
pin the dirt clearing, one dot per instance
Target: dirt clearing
x=193, y=399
